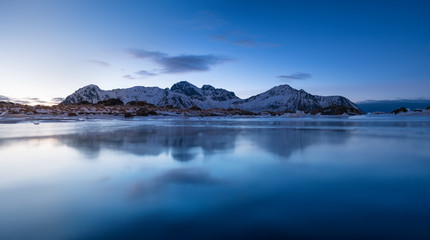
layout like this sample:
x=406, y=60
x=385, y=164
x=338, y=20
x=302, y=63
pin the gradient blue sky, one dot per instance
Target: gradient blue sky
x=359, y=49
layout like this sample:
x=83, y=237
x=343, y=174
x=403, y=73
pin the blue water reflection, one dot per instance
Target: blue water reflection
x=216, y=179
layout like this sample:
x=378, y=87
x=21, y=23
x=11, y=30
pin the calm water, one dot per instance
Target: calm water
x=362, y=178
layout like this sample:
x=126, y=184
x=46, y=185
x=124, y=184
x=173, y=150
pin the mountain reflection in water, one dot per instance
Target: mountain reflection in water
x=180, y=141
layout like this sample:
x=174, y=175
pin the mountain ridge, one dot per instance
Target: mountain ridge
x=281, y=98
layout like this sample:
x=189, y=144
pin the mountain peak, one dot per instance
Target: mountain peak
x=283, y=86
x=91, y=86
x=181, y=85
x=90, y=93
x=188, y=89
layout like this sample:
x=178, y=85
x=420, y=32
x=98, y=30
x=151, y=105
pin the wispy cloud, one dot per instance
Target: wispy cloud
x=295, y=76
x=131, y=77
x=31, y=100
x=177, y=64
x=140, y=75
x=99, y=63
x=145, y=73
x=57, y=100
x=22, y=102
x=242, y=39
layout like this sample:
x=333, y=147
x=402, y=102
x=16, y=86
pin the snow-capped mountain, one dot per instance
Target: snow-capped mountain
x=184, y=95
x=207, y=96
x=286, y=98
x=181, y=95
x=280, y=98
x=153, y=95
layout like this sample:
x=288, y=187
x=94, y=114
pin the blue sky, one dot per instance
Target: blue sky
x=360, y=49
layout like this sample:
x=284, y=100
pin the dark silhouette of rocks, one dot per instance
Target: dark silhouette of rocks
x=399, y=110
x=111, y=102
x=140, y=103
x=145, y=112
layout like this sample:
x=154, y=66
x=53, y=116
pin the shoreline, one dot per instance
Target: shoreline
x=14, y=113
x=40, y=118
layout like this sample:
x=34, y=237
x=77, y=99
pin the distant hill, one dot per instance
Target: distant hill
x=390, y=105
x=183, y=94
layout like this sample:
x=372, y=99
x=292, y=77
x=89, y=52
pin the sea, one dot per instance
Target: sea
x=362, y=177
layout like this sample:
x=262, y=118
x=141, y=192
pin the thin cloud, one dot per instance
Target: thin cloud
x=295, y=76
x=140, y=53
x=140, y=75
x=57, y=100
x=99, y=63
x=22, y=102
x=189, y=63
x=145, y=73
x=131, y=77
x=31, y=100
x=243, y=40
x=180, y=63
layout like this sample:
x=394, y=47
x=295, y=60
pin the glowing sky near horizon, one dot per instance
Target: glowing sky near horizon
x=358, y=49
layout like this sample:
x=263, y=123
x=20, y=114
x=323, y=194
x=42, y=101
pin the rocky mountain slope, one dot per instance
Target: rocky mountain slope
x=183, y=94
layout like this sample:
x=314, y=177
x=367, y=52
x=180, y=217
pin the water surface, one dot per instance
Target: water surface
x=210, y=178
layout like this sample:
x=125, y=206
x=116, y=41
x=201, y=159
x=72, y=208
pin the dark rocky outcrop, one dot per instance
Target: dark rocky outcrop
x=128, y=115
x=111, y=102
x=140, y=103
x=145, y=112
x=399, y=110
x=195, y=108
